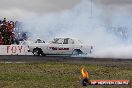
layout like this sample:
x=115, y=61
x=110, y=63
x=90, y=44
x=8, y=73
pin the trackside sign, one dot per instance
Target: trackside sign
x=13, y=50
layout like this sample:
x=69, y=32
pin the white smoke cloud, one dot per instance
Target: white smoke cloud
x=79, y=23
x=115, y=52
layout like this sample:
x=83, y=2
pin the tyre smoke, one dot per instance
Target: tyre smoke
x=109, y=34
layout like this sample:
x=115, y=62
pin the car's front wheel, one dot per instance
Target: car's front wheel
x=77, y=52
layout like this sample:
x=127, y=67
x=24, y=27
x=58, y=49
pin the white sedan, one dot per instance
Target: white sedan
x=59, y=46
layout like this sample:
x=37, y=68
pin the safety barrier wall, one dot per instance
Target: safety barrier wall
x=13, y=50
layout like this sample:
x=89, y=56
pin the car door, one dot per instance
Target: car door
x=56, y=48
x=67, y=47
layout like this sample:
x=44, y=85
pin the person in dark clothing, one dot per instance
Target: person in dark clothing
x=4, y=21
x=1, y=39
x=13, y=38
x=4, y=28
x=0, y=22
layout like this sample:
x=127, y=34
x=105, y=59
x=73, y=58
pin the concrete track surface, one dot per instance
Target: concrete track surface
x=75, y=60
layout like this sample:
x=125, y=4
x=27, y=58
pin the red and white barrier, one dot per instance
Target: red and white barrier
x=13, y=50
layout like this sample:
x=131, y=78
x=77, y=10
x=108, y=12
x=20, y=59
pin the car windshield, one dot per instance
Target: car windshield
x=57, y=41
x=54, y=40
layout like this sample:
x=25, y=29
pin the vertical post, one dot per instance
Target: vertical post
x=91, y=8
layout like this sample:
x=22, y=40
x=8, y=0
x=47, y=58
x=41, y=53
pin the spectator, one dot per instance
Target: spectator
x=6, y=32
x=9, y=28
x=1, y=39
x=4, y=21
x=13, y=38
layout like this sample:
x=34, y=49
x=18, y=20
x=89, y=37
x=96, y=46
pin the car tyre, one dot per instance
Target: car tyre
x=77, y=52
x=37, y=52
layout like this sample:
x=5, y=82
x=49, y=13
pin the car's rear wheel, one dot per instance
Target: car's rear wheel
x=38, y=52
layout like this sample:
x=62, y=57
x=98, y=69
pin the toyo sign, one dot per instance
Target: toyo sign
x=13, y=50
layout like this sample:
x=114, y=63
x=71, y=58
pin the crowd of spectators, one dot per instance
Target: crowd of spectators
x=7, y=36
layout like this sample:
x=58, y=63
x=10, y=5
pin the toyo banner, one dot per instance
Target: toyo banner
x=13, y=50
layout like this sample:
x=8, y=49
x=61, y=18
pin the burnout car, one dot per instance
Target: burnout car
x=59, y=46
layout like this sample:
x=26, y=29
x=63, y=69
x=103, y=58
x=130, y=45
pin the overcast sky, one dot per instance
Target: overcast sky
x=127, y=4
x=18, y=8
x=117, y=2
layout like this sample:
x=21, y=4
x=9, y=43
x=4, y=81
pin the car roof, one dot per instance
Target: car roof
x=74, y=39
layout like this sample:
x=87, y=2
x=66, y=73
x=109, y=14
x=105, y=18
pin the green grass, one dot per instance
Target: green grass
x=58, y=75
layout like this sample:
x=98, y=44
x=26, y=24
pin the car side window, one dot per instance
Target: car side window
x=65, y=41
x=70, y=41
